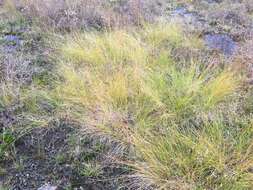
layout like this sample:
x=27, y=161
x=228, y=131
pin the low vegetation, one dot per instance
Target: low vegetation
x=156, y=105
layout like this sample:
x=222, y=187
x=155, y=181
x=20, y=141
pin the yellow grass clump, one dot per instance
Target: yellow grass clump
x=125, y=84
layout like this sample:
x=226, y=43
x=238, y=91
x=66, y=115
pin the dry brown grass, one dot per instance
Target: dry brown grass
x=98, y=14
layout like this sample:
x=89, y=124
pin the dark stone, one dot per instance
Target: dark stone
x=12, y=42
x=221, y=42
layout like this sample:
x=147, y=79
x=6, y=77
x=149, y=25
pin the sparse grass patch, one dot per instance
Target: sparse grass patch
x=3, y=187
x=18, y=112
x=2, y=172
x=7, y=138
x=60, y=158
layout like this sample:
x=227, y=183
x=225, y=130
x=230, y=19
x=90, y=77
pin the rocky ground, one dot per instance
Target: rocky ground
x=57, y=156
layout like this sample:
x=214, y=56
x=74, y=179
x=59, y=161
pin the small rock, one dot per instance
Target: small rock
x=12, y=43
x=220, y=42
x=47, y=187
x=214, y=1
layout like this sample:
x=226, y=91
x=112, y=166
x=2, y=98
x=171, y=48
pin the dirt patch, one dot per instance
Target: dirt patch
x=55, y=155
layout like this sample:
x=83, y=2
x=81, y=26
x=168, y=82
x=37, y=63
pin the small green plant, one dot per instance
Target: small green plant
x=90, y=170
x=2, y=172
x=60, y=158
x=19, y=165
x=7, y=138
x=3, y=187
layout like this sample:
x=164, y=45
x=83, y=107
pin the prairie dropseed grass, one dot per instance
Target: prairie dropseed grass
x=125, y=84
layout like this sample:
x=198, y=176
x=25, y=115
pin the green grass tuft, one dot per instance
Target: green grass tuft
x=126, y=85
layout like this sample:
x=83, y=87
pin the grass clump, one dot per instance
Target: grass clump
x=116, y=47
x=90, y=170
x=215, y=157
x=125, y=84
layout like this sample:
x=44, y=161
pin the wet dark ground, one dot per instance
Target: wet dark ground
x=50, y=156
x=221, y=42
x=223, y=30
